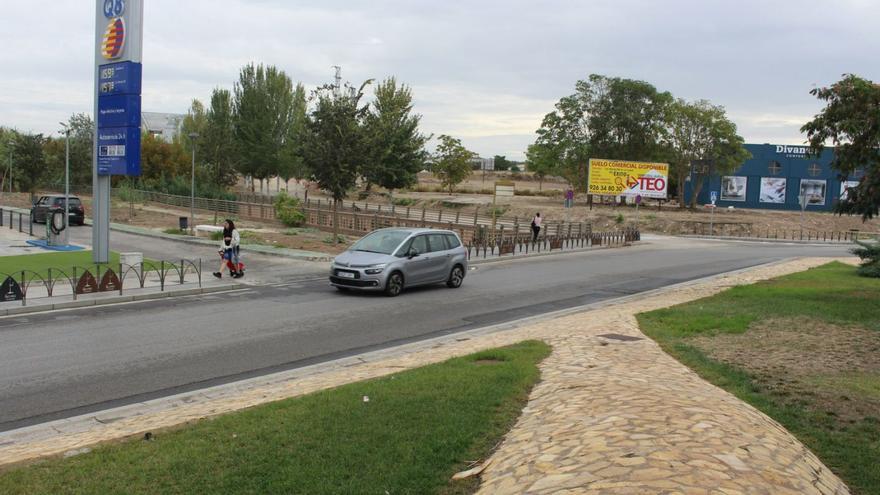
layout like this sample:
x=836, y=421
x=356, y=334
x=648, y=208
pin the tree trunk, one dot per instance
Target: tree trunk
x=335, y=221
x=681, y=185
x=698, y=187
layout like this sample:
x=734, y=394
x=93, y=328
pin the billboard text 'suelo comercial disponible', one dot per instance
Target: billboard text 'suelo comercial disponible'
x=624, y=178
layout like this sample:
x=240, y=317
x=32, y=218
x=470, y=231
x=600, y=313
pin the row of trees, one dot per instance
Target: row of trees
x=617, y=118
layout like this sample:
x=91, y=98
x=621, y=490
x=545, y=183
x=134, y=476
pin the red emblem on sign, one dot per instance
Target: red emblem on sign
x=114, y=39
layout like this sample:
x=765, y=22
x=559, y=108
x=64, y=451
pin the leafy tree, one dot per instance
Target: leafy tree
x=218, y=144
x=542, y=159
x=161, y=159
x=396, y=148
x=606, y=117
x=452, y=162
x=335, y=144
x=502, y=163
x=701, y=139
x=7, y=138
x=195, y=121
x=850, y=122
x=292, y=163
x=869, y=253
x=29, y=162
x=263, y=109
x=82, y=130
x=289, y=210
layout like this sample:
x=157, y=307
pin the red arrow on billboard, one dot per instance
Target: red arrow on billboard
x=631, y=181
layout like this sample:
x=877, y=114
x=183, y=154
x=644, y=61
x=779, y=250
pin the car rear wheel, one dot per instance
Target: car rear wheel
x=456, y=277
x=394, y=286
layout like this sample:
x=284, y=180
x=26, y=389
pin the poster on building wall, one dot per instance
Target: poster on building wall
x=814, y=190
x=733, y=188
x=772, y=190
x=846, y=185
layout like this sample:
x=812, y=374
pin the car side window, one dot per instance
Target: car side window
x=43, y=200
x=403, y=252
x=438, y=242
x=452, y=240
x=420, y=244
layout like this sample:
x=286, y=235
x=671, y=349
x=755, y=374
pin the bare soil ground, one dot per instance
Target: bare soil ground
x=836, y=367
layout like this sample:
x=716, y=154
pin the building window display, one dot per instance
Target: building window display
x=775, y=167
x=846, y=185
x=772, y=190
x=814, y=190
x=733, y=188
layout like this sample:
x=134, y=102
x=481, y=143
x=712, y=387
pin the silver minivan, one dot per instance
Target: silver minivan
x=390, y=259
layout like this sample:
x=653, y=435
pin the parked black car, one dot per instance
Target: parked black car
x=40, y=210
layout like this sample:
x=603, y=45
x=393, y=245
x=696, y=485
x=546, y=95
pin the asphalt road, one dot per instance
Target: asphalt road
x=63, y=364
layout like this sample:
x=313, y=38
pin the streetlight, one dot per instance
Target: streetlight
x=66, y=181
x=192, y=189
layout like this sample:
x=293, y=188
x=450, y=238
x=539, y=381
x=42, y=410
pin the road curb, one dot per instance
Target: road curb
x=500, y=259
x=106, y=301
x=812, y=242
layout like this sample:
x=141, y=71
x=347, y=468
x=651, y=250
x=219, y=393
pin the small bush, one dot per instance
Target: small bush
x=329, y=239
x=404, y=201
x=870, y=256
x=619, y=219
x=289, y=210
x=176, y=232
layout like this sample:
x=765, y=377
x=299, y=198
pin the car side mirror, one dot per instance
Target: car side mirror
x=412, y=253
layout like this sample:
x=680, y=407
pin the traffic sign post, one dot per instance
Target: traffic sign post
x=713, y=196
x=117, y=142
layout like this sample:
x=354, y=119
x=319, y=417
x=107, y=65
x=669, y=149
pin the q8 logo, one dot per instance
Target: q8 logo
x=113, y=8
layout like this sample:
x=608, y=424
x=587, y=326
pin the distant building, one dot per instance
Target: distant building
x=774, y=179
x=163, y=125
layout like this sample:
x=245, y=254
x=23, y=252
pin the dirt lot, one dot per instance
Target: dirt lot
x=836, y=367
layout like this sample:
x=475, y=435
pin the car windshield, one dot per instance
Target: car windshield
x=383, y=241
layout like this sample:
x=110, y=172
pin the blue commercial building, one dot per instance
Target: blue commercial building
x=774, y=178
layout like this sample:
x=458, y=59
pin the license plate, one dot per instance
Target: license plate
x=345, y=274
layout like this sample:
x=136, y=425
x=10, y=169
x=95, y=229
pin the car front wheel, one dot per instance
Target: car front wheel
x=394, y=286
x=456, y=277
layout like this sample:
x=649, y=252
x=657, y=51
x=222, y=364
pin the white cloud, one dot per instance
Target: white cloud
x=484, y=71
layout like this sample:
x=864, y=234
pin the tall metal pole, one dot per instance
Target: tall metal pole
x=192, y=188
x=66, y=230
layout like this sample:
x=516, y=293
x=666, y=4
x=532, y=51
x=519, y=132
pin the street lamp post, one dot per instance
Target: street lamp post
x=66, y=235
x=192, y=189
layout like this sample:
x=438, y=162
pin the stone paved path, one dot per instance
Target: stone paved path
x=609, y=416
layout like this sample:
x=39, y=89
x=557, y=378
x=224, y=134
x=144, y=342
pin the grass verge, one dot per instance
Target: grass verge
x=417, y=429
x=801, y=348
x=39, y=264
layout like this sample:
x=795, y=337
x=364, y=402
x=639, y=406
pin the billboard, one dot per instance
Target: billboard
x=625, y=178
x=772, y=190
x=733, y=188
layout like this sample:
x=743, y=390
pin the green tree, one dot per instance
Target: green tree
x=82, y=130
x=452, y=162
x=161, y=160
x=195, y=121
x=850, y=122
x=334, y=143
x=292, y=163
x=263, y=109
x=29, y=162
x=7, y=138
x=502, y=163
x=542, y=159
x=701, y=139
x=606, y=117
x=218, y=144
x=396, y=148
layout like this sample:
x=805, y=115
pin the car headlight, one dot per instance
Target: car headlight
x=375, y=269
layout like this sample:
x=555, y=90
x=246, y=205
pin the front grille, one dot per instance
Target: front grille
x=354, y=283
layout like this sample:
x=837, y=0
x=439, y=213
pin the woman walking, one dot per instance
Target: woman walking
x=229, y=249
x=536, y=227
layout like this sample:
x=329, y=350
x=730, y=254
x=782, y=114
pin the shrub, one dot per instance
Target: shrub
x=289, y=210
x=870, y=255
x=619, y=219
x=404, y=201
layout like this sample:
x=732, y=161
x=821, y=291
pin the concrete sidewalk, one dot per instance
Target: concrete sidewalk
x=609, y=415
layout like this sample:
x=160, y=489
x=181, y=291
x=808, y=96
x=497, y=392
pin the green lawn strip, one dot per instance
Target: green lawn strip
x=61, y=263
x=832, y=293
x=418, y=428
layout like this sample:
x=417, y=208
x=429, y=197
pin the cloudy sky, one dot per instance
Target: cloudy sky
x=484, y=71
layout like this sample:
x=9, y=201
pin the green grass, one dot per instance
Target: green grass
x=418, y=428
x=831, y=293
x=39, y=264
x=176, y=231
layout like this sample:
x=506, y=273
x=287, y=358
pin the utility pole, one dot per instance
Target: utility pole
x=66, y=230
x=192, y=190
